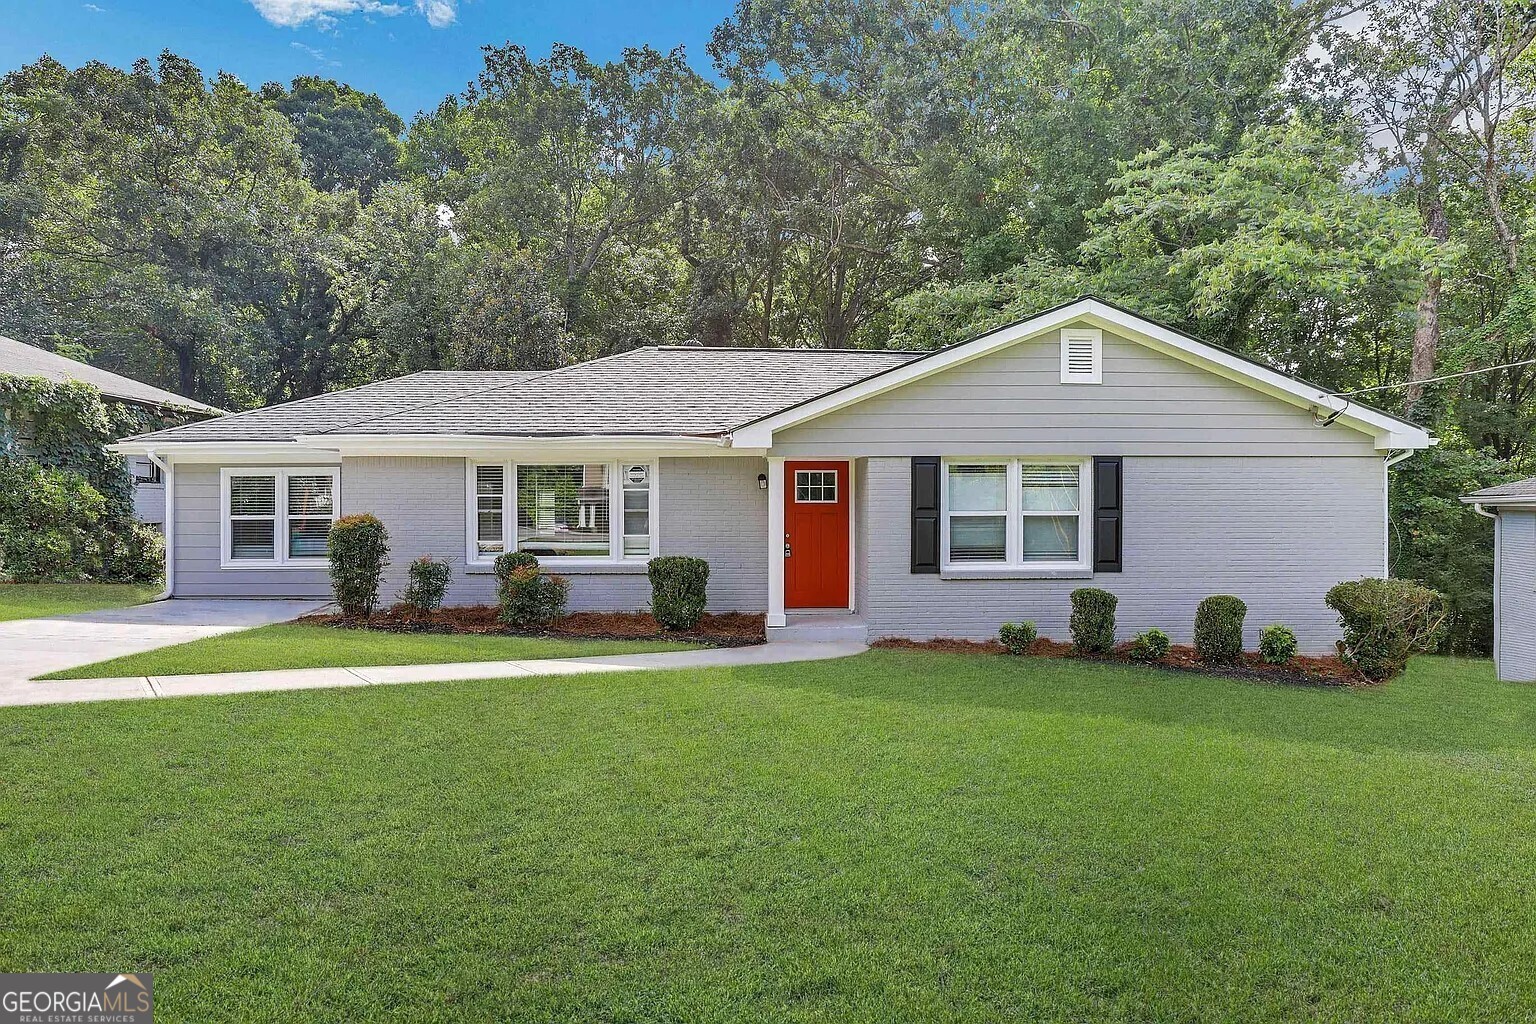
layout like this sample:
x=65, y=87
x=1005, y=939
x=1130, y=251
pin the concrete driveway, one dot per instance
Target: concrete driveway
x=32, y=647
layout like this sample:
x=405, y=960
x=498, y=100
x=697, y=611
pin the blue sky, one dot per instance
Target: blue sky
x=411, y=52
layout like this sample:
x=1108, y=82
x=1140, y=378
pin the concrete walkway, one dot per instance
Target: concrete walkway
x=35, y=647
x=66, y=691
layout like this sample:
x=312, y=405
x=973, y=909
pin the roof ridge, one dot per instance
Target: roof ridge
x=786, y=348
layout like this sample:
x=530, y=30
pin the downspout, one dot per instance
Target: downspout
x=1386, y=508
x=168, y=474
x=1498, y=581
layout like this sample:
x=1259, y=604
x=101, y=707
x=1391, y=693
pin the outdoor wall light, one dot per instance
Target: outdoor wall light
x=762, y=481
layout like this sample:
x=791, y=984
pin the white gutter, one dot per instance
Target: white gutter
x=1477, y=507
x=168, y=472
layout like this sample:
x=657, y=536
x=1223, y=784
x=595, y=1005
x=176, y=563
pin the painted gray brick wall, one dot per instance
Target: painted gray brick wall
x=1277, y=532
x=197, y=539
x=1148, y=404
x=1517, y=595
x=711, y=508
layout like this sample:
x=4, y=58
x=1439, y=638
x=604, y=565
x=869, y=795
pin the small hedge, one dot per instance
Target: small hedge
x=1153, y=645
x=1219, y=628
x=1017, y=636
x=1277, y=644
x=426, y=586
x=359, y=548
x=1093, y=620
x=1386, y=621
x=679, y=590
x=529, y=599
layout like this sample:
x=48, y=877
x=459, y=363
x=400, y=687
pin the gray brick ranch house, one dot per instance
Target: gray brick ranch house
x=879, y=492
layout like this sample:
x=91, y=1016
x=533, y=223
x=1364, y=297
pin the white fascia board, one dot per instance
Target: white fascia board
x=229, y=453
x=592, y=446
x=1512, y=501
x=1388, y=431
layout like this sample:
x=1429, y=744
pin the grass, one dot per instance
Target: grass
x=304, y=646
x=33, y=600
x=898, y=836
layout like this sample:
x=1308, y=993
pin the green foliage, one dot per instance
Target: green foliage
x=1219, y=628
x=426, y=585
x=54, y=525
x=531, y=599
x=359, y=549
x=1152, y=645
x=348, y=138
x=1277, y=644
x=1093, y=620
x=1386, y=621
x=678, y=590
x=507, y=563
x=1017, y=636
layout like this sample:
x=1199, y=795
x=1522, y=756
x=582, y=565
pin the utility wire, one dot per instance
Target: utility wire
x=1432, y=380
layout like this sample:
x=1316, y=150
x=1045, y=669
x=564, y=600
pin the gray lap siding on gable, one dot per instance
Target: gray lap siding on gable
x=199, y=534
x=1277, y=532
x=1013, y=402
x=711, y=508
x=1517, y=595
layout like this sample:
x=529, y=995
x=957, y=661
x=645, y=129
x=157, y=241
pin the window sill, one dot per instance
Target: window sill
x=632, y=568
x=1016, y=572
x=321, y=564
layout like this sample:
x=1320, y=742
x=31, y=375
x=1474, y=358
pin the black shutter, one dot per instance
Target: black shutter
x=1108, y=488
x=925, y=513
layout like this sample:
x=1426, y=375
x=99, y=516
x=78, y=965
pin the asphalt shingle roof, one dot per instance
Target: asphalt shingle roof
x=1517, y=489
x=684, y=390
x=20, y=360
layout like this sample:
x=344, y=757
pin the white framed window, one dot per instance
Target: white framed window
x=816, y=487
x=1082, y=350
x=566, y=513
x=1025, y=514
x=277, y=518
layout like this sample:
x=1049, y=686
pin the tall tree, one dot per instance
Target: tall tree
x=348, y=138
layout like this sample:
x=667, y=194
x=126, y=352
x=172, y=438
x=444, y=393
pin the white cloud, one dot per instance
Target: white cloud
x=323, y=13
x=318, y=55
x=94, y=8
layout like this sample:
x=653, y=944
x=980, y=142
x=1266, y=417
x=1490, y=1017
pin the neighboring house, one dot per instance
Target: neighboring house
x=1512, y=507
x=18, y=360
x=841, y=492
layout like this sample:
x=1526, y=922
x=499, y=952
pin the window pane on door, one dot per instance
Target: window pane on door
x=563, y=511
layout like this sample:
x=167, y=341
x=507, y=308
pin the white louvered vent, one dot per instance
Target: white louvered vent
x=1081, y=356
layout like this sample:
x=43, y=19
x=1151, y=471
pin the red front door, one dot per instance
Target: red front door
x=816, y=534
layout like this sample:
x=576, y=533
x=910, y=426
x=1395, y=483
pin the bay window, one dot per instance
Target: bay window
x=1025, y=514
x=572, y=513
x=275, y=518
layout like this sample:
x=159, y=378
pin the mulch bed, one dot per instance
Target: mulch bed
x=1302, y=670
x=733, y=629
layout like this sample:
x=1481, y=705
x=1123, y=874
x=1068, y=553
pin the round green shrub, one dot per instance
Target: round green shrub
x=426, y=585
x=1277, y=644
x=514, y=560
x=1093, y=620
x=1384, y=622
x=531, y=599
x=1153, y=645
x=359, y=548
x=679, y=590
x=1017, y=636
x=1219, y=628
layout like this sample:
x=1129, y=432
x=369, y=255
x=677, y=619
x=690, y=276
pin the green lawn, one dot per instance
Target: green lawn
x=899, y=836
x=32, y=600
x=304, y=646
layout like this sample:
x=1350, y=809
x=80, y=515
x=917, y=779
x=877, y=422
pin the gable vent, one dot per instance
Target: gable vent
x=1081, y=356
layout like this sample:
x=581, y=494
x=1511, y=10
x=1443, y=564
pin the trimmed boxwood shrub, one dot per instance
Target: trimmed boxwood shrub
x=1219, y=628
x=359, y=547
x=1093, y=620
x=1153, y=645
x=1277, y=644
x=679, y=586
x=1386, y=621
x=529, y=599
x=426, y=585
x=1017, y=636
